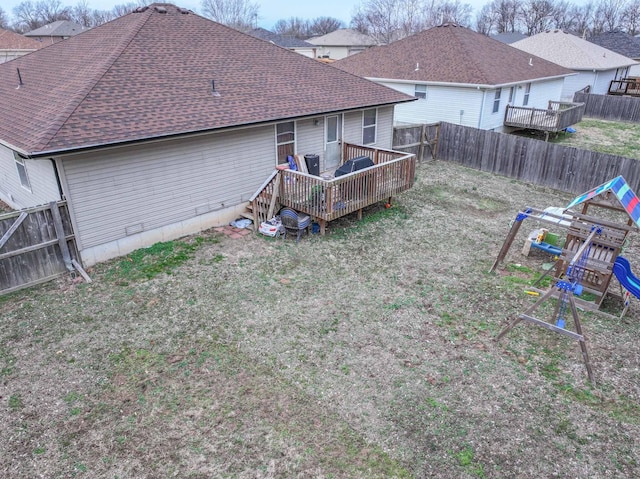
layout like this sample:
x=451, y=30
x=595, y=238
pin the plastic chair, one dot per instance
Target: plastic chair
x=292, y=221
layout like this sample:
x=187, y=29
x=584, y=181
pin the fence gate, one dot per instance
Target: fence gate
x=36, y=245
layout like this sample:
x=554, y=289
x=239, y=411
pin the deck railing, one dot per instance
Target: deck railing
x=626, y=86
x=326, y=200
x=557, y=117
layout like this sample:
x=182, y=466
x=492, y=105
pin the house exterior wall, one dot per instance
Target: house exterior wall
x=311, y=138
x=42, y=180
x=469, y=106
x=306, y=52
x=384, y=128
x=577, y=82
x=603, y=80
x=333, y=51
x=126, y=198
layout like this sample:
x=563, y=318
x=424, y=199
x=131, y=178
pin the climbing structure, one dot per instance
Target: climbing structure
x=587, y=260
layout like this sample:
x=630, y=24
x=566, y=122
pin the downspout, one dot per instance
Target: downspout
x=58, y=182
x=484, y=93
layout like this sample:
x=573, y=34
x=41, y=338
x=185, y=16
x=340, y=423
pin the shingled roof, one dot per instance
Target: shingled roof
x=572, y=52
x=60, y=28
x=14, y=41
x=450, y=54
x=285, y=41
x=152, y=74
x=619, y=42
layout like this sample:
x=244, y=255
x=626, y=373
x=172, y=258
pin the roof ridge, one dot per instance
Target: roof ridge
x=107, y=62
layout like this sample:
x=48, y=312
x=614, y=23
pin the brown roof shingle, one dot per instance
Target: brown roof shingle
x=148, y=74
x=450, y=54
x=14, y=41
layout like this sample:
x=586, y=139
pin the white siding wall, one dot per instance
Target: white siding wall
x=125, y=191
x=442, y=104
x=490, y=120
x=541, y=93
x=634, y=71
x=42, y=178
x=602, y=82
x=577, y=82
x=334, y=52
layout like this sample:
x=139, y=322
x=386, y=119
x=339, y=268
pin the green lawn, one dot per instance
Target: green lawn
x=612, y=137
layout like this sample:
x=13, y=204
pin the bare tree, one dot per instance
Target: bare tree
x=323, y=25
x=485, y=20
x=504, y=14
x=293, y=27
x=29, y=15
x=239, y=14
x=537, y=16
x=4, y=19
x=389, y=20
x=454, y=11
x=607, y=15
x=630, y=18
x=582, y=17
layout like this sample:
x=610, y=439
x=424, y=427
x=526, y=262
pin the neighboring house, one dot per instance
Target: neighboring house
x=56, y=32
x=508, y=38
x=595, y=66
x=341, y=43
x=458, y=76
x=285, y=41
x=162, y=123
x=14, y=45
x=621, y=43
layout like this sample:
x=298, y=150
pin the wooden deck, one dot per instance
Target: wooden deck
x=326, y=200
x=626, y=86
x=557, y=117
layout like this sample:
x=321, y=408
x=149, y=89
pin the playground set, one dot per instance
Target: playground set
x=587, y=261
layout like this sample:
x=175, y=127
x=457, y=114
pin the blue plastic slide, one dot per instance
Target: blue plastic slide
x=622, y=270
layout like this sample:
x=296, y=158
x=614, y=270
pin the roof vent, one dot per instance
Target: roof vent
x=184, y=11
x=530, y=62
x=141, y=9
x=213, y=88
x=19, y=79
x=417, y=67
x=160, y=9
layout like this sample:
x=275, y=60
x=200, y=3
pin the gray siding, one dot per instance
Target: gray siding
x=42, y=178
x=310, y=138
x=384, y=130
x=129, y=190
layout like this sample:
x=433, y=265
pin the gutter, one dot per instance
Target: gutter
x=469, y=85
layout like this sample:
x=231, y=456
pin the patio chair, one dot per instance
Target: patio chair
x=295, y=222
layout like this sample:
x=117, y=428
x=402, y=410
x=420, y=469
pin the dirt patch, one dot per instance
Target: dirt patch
x=369, y=352
x=5, y=208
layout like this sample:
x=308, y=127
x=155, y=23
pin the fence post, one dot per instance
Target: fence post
x=62, y=241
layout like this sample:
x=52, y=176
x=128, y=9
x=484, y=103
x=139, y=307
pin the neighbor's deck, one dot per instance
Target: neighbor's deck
x=328, y=199
x=626, y=86
x=557, y=117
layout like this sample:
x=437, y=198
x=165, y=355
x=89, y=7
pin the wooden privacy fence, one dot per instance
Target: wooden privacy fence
x=36, y=245
x=546, y=164
x=608, y=107
x=420, y=140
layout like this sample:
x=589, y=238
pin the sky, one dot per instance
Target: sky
x=269, y=13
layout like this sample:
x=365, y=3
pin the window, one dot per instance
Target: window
x=527, y=90
x=369, y=119
x=421, y=91
x=512, y=94
x=496, y=100
x=285, y=140
x=22, y=172
x=332, y=129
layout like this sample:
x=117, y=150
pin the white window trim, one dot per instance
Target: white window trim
x=374, y=126
x=527, y=94
x=326, y=132
x=21, y=163
x=497, y=97
x=295, y=137
x=512, y=94
x=422, y=94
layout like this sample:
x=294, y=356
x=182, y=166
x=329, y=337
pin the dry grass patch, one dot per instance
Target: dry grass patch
x=365, y=353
